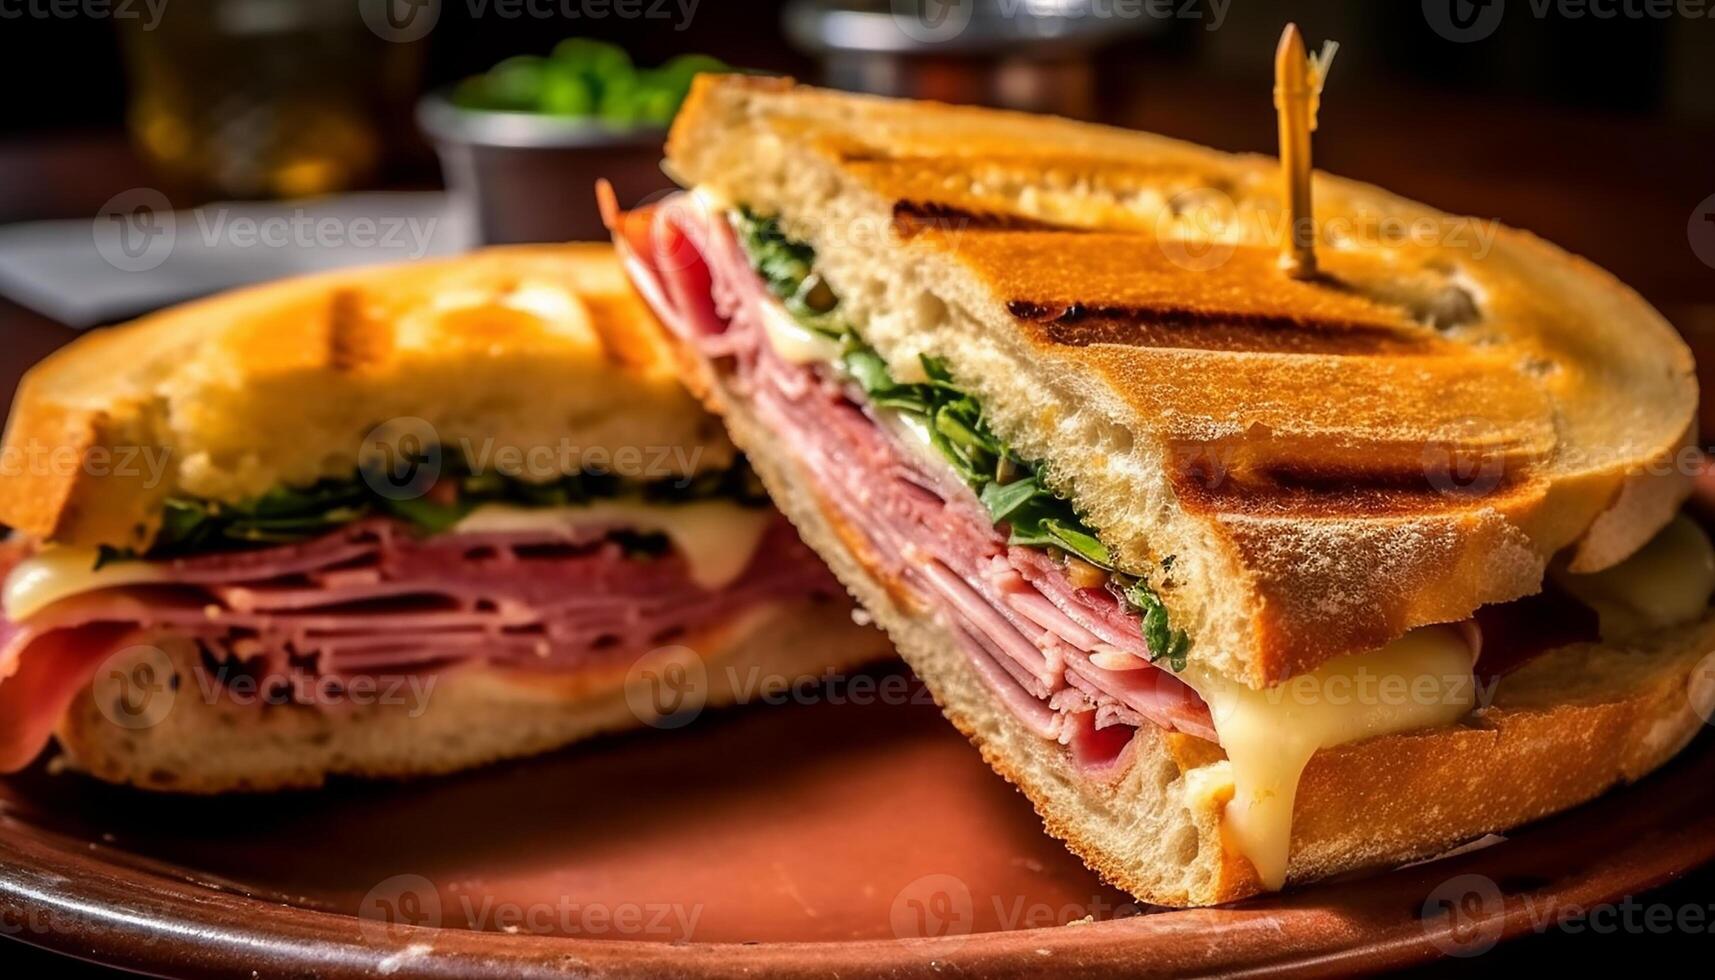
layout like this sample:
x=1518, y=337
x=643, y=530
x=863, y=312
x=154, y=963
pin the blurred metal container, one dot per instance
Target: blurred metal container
x=528, y=177
x=1034, y=55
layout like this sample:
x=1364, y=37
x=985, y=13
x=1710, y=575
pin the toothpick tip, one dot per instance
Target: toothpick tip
x=1291, y=44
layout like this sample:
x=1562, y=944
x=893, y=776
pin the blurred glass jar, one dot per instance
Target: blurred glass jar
x=266, y=98
x=1034, y=55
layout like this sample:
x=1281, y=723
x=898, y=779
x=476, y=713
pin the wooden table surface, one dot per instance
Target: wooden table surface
x=1618, y=191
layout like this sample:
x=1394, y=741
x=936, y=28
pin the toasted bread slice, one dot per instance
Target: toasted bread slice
x=1331, y=463
x=1560, y=731
x=203, y=740
x=507, y=350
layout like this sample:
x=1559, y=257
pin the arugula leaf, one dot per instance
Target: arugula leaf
x=936, y=369
x=1165, y=643
x=1079, y=541
x=1002, y=499
x=285, y=515
x=868, y=369
x=961, y=422
x=783, y=264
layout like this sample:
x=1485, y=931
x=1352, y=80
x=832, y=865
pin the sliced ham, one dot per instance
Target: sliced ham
x=374, y=598
x=1070, y=662
x=38, y=688
x=1028, y=632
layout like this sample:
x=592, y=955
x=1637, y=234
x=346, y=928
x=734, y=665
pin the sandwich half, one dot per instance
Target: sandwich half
x=385, y=522
x=1242, y=580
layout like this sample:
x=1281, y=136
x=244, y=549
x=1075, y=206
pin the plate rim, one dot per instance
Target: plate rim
x=70, y=895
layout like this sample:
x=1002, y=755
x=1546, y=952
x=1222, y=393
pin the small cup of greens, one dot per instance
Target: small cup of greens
x=523, y=144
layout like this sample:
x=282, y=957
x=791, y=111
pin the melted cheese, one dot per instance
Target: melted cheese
x=794, y=342
x=1667, y=583
x=1422, y=680
x=712, y=202
x=912, y=434
x=717, y=537
x=58, y=573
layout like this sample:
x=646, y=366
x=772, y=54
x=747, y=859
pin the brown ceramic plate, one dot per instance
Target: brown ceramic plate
x=853, y=837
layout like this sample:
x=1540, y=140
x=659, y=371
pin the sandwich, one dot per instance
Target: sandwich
x=381, y=523
x=1242, y=580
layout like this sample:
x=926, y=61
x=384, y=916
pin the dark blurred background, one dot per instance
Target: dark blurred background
x=71, y=74
x=1596, y=131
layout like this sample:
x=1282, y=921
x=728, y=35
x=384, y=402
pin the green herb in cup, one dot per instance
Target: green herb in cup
x=585, y=79
x=516, y=83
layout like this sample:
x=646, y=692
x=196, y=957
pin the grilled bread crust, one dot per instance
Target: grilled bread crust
x=506, y=350
x=462, y=717
x=1562, y=730
x=1329, y=463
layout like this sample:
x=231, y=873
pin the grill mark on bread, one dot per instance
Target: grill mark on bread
x=1206, y=483
x=1077, y=325
x=911, y=217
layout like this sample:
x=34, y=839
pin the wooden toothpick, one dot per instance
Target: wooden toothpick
x=1298, y=82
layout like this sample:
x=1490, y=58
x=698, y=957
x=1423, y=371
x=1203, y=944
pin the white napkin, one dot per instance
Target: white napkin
x=138, y=255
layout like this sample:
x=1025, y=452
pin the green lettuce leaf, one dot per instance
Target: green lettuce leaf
x=287, y=515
